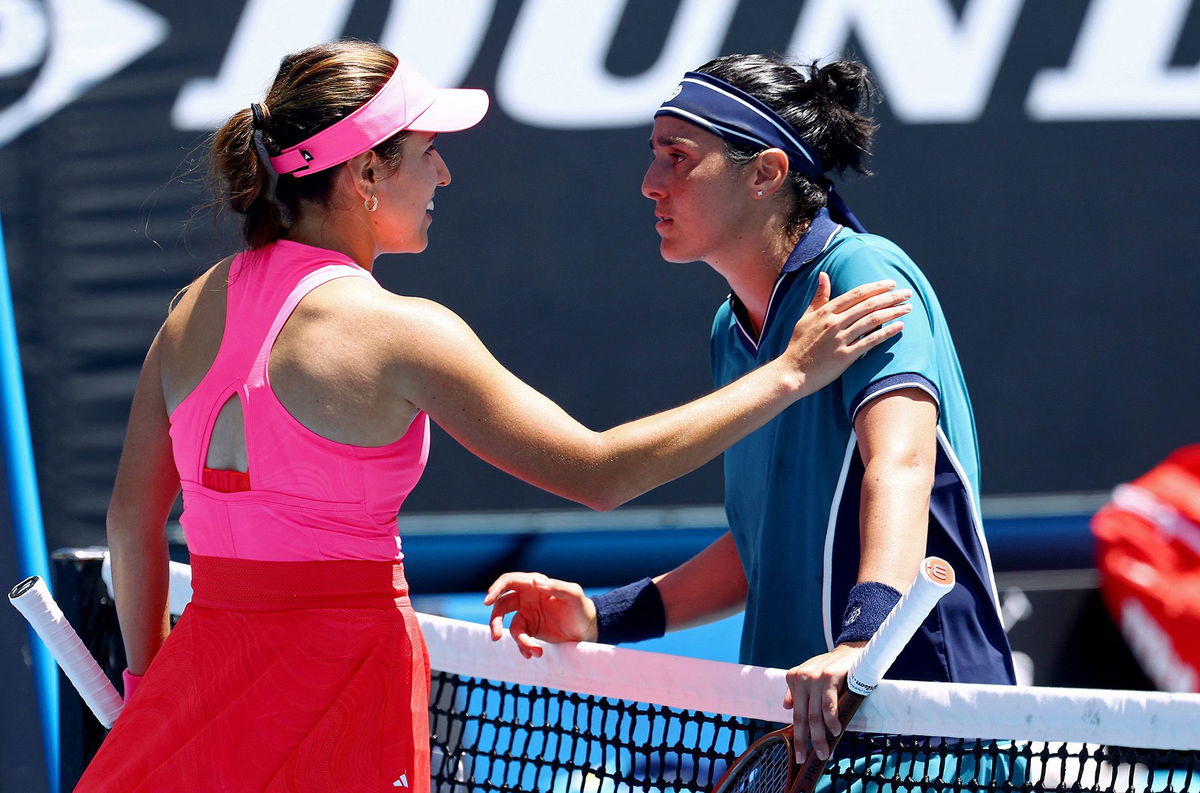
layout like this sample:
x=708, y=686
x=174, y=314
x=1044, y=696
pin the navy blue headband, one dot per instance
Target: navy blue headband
x=736, y=116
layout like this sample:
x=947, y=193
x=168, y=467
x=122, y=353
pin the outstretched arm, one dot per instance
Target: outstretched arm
x=146, y=487
x=709, y=586
x=509, y=424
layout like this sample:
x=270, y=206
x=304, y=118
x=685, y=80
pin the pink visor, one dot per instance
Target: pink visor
x=406, y=101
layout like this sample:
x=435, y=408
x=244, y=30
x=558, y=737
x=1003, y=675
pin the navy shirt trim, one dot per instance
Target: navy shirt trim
x=964, y=637
x=893, y=383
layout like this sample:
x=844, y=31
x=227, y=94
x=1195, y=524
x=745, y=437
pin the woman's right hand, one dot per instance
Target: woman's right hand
x=543, y=608
x=835, y=333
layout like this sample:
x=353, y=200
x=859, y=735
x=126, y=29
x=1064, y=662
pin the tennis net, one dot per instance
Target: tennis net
x=596, y=719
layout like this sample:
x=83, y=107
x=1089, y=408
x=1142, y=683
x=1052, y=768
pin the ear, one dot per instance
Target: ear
x=769, y=172
x=364, y=171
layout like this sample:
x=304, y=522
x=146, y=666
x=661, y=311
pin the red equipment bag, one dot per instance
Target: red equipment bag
x=1148, y=557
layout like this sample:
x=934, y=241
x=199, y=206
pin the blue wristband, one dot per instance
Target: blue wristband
x=630, y=613
x=867, y=606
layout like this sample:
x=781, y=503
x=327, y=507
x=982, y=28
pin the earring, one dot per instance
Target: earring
x=371, y=204
x=760, y=193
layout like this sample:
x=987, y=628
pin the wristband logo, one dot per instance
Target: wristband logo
x=853, y=615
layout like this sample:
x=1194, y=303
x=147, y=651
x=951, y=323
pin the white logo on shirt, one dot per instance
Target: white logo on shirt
x=401, y=782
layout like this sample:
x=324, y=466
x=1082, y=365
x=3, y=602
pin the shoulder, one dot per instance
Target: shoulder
x=192, y=302
x=362, y=314
x=854, y=259
x=850, y=248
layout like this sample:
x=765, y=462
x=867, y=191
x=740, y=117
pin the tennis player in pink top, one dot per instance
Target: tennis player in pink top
x=289, y=396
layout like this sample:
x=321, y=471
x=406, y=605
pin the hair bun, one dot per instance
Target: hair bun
x=845, y=83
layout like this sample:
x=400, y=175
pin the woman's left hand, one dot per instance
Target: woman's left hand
x=813, y=689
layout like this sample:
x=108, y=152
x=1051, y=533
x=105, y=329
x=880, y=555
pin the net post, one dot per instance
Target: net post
x=26, y=510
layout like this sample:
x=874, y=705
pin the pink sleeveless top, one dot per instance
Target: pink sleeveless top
x=309, y=498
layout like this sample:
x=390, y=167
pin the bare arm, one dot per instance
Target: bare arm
x=709, y=586
x=509, y=424
x=146, y=487
x=897, y=439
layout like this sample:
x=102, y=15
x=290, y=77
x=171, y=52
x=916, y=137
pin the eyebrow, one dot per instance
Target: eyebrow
x=668, y=140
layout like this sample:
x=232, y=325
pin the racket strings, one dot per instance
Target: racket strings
x=768, y=768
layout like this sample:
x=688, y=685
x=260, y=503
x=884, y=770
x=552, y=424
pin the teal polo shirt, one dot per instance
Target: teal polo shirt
x=792, y=488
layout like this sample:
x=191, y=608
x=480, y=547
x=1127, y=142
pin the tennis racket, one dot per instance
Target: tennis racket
x=32, y=598
x=769, y=765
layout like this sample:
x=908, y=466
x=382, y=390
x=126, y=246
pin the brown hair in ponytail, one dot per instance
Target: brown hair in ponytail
x=829, y=106
x=314, y=89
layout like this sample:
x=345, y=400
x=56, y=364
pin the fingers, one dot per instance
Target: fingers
x=504, y=604
x=874, y=338
x=796, y=698
x=800, y=729
x=829, y=711
x=503, y=584
x=521, y=632
x=870, y=321
x=873, y=307
x=851, y=297
x=812, y=694
x=823, y=291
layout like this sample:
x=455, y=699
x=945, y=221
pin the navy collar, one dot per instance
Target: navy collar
x=811, y=245
x=815, y=240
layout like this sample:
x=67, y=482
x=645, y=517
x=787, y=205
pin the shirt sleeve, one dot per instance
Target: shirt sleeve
x=905, y=361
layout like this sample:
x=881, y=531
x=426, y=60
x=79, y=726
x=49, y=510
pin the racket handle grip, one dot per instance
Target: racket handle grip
x=32, y=598
x=934, y=579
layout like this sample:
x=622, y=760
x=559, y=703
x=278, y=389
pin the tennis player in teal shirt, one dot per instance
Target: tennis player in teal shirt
x=832, y=505
x=793, y=488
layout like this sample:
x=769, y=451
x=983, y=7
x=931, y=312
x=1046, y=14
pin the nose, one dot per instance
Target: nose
x=443, y=171
x=651, y=184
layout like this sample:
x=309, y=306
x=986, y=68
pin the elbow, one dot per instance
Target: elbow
x=603, y=494
x=600, y=499
x=115, y=523
x=605, y=480
x=604, y=504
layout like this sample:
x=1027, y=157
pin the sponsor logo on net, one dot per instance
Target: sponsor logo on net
x=66, y=47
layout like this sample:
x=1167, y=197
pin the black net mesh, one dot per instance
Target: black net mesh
x=495, y=736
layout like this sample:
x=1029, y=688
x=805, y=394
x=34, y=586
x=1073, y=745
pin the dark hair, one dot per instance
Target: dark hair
x=314, y=89
x=829, y=106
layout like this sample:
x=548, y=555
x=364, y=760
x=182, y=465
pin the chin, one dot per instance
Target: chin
x=674, y=255
x=410, y=246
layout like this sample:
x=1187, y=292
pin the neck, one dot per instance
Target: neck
x=335, y=230
x=751, y=271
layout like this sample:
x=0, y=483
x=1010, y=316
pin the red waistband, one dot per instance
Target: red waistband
x=248, y=585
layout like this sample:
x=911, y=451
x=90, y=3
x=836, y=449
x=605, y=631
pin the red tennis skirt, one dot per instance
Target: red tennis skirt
x=280, y=676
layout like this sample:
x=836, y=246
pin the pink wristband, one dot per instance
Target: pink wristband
x=131, y=683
